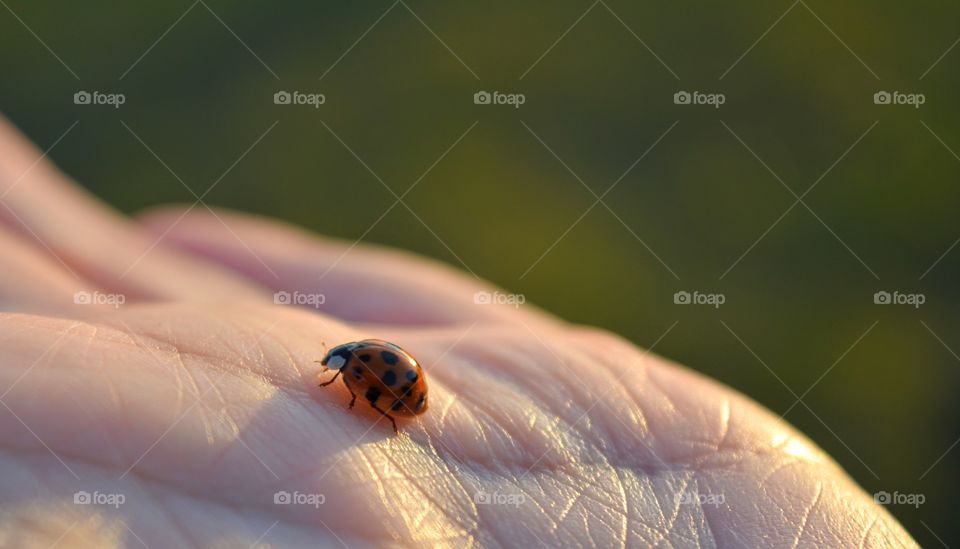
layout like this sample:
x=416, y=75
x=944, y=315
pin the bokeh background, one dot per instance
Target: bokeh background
x=879, y=383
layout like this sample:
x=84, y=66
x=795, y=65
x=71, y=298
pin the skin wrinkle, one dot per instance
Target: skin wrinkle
x=446, y=410
x=656, y=384
x=177, y=375
x=481, y=405
x=449, y=515
x=289, y=357
x=706, y=511
x=650, y=488
x=91, y=462
x=118, y=453
x=626, y=506
x=566, y=510
x=204, y=411
x=667, y=526
x=637, y=528
x=580, y=492
x=866, y=531
x=707, y=520
x=481, y=429
x=780, y=466
x=806, y=515
x=566, y=463
x=455, y=475
x=216, y=363
x=164, y=508
x=643, y=440
x=364, y=459
x=268, y=511
x=590, y=512
x=111, y=387
x=546, y=401
x=529, y=495
x=629, y=389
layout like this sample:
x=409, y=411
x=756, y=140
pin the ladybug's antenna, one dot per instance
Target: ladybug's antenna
x=324, y=343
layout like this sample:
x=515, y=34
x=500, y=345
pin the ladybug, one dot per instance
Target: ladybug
x=388, y=377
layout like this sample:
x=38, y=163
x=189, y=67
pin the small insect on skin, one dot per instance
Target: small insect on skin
x=385, y=375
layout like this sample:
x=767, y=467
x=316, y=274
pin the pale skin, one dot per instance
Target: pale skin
x=196, y=400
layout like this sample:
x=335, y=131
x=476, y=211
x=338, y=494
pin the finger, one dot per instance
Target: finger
x=357, y=282
x=93, y=241
x=33, y=280
x=162, y=399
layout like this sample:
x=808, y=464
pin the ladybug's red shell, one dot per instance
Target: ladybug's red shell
x=383, y=374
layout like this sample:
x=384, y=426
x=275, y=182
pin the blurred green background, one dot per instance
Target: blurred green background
x=199, y=80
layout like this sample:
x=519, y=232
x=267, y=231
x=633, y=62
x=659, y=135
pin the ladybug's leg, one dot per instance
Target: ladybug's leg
x=332, y=379
x=353, y=398
x=388, y=416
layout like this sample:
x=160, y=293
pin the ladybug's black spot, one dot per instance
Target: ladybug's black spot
x=372, y=394
x=397, y=405
x=407, y=389
x=412, y=376
x=389, y=378
x=365, y=357
x=357, y=372
x=421, y=401
x=389, y=358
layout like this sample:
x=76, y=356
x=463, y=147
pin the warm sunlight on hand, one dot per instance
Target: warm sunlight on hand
x=189, y=415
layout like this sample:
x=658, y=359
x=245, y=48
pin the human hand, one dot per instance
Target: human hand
x=196, y=401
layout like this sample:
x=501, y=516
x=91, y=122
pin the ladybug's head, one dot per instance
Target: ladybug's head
x=339, y=356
